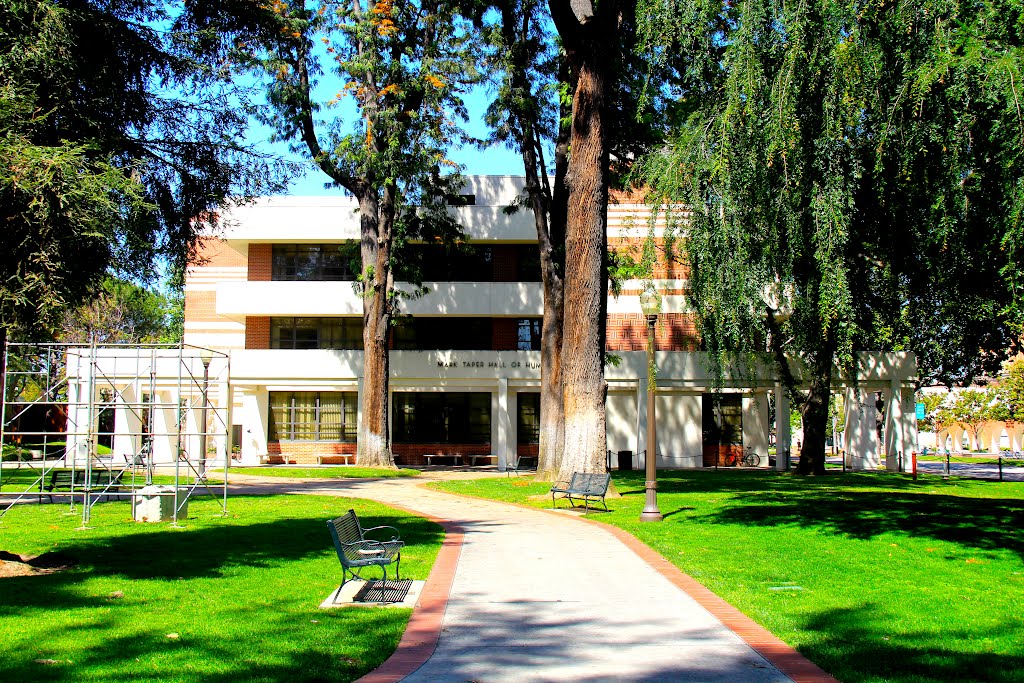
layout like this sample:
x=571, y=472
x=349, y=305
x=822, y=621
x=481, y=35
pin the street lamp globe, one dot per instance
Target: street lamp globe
x=650, y=301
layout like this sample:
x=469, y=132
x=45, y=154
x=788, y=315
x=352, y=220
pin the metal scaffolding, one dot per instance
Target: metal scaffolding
x=93, y=422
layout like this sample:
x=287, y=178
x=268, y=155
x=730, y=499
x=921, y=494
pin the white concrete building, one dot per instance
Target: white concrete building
x=275, y=295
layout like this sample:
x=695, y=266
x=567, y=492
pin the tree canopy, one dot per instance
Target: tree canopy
x=854, y=173
x=371, y=95
x=115, y=134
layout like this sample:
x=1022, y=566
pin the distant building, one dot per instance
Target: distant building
x=274, y=292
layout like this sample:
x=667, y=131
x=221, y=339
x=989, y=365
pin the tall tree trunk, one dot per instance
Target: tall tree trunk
x=373, y=447
x=552, y=414
x=582, y=353
x=814, y=412
x=3, y=364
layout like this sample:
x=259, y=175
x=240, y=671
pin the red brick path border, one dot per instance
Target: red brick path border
x=421, y=636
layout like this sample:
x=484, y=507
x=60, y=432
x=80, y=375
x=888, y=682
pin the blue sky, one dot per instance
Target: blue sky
x=493, y=161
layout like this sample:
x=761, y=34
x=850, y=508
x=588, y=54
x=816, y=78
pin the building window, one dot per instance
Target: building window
x=528, y=334
x=438, y=417
x=528, y=417
x=316, y=333
x=312, y=416
x=433, y=334
x=314, y=262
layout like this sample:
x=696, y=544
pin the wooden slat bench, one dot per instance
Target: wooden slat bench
x=356, y=551
x=105, y=481
x=585, y=486
x=342, y=458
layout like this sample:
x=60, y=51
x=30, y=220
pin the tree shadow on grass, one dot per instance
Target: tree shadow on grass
x=982, y=523
x=305, y=644
x=859, y=506
x=169, y=554
x=867, y=643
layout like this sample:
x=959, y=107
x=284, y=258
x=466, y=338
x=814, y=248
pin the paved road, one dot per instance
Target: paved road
x=960, y=469
x=539, y=597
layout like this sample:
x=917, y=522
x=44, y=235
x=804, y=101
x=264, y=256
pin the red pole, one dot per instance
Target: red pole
x=913, y=464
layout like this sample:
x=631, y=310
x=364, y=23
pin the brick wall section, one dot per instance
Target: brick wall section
x=412, y=453
x=528, y=450
x=505, y=263
x=213, y=251
x=305, y=452
x=504, y=334
x=663, y=269
x=257, y=332
x=260, y=256
x=200, y=306
x=674, y=332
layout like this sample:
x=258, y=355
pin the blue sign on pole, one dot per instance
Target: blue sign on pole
x=920, y=411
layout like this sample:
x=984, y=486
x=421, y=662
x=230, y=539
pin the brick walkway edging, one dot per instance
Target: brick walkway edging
x=421, y=634
x=778, y=653
x=424, y=630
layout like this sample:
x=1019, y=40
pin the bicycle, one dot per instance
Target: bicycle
x=750, y=458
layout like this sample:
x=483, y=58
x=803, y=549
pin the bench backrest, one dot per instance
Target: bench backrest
x=593, y=483
x=345, y=529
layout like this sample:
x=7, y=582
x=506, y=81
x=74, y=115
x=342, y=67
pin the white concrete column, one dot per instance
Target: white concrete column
x=890, y=428
x=501, y=424
x=861, y=437
x=80, y=388
x=908, y=444
x=191, y=439
x=165, y=426
x=782, y=433
x=641, y=415
x=127, y=422
x=755, y=424
x=255, y=421
x=1016, y=437
x=229, y=417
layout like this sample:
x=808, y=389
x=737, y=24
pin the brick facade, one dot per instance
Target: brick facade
x=506, y=263
x=504, y=334
x=664, y=268
x=674, y=332
x=257, y=332
x=260, y=262
x=211, y=251
x=412, y=453
x=306, y=452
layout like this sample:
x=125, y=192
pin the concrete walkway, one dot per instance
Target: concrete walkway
x=539, y=596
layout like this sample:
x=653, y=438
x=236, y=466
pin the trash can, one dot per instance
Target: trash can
x=625, y=460
x=157, y=503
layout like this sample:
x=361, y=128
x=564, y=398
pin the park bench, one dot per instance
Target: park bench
x=356, y=551
x=67, y=480
x=585, y=486
x=526, y=463
x=336, y=458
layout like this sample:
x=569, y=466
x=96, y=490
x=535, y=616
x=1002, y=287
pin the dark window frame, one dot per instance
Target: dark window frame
x=311, y=263
x=344, y=333
x=528, y=417
x=437, y=417
x=289, y=429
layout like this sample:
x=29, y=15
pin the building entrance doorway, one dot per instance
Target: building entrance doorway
x=722, y=418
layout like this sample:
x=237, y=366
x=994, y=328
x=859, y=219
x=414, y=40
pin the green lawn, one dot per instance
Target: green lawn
x=241, y=594
x=16, y=479
x=330, y=472
x=872, y=576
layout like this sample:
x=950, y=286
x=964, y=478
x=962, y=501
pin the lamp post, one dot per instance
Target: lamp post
x=206, y=355
x=650, y=303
